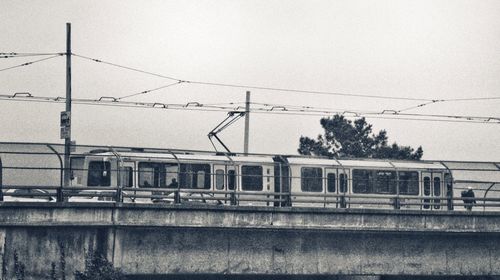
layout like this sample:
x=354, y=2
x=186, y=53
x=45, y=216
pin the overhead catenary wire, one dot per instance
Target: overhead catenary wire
x=179, y=81
x=195, y=106
x=126, y=67
x=16, y=55
x=288, y=89
x=30, y=62
x=148, y=91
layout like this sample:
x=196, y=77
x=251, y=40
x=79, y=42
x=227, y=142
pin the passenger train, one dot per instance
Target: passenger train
x=279, y=181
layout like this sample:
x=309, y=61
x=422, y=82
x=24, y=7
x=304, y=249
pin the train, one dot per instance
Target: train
x=266, y=180
x=34, y=171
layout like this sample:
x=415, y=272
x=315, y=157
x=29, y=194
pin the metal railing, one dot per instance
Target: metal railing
x=23, y=161
x=116, y=195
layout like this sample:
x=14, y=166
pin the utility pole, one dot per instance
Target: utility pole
x=66, y=115
x=247, y=123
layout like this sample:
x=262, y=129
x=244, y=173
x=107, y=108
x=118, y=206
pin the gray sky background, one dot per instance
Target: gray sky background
x=418, y=49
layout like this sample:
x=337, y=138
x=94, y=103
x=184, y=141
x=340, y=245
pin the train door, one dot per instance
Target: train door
x=127, y=180
x=343, y=188
x=281, y=182
x=432, y=187
x=224, y=177
x=426, y=190
x=331, y=188
x=437, y=188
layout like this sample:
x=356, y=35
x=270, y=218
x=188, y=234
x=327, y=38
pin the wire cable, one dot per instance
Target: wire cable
x=195, y=106
x=14, y=55
x=307, y=91
x=29, y=63
x=150, y=90
x=126, y=67
x=289, y=89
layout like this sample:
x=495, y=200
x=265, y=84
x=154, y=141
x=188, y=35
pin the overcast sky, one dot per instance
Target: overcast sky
x=414, y=49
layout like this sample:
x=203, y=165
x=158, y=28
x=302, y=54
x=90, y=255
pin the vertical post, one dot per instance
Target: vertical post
x=1, y=186
x=67, y=139
x=247, y=122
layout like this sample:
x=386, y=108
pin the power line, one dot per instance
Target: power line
x=148, y=91
x=126, y=67
x=428, y=101
x=14, y=55
x=195, y=106
x=307, y=91
x=30, y=62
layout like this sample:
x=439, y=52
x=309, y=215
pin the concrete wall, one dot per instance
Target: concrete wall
x=169, y=239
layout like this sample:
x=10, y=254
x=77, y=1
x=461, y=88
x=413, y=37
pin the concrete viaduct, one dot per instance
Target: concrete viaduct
x=155, y=241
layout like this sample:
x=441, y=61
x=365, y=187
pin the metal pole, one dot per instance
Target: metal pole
x=67, y=139
x=247, y=122
x=60, y=196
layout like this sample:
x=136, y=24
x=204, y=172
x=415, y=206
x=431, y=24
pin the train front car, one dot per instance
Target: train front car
x=180, y=177
x=369, y=183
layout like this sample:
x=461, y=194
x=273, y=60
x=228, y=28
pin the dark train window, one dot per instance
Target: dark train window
x=195, y=176
x=437, y=191
x=152, y=174
x=127, y=174
x=231, y=179
x=362, y=181
x=251, y=178
x=385, y=182
x=330, y=182
x=437, y=186
x=311, y=179
x=374, y=181
x=343, y=183
x=99, y=173
x=427, y=186
x=408, y=182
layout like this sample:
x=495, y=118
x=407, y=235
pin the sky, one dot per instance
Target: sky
x=406, y=49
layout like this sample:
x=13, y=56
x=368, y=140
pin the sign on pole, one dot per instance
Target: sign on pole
x=65, y=125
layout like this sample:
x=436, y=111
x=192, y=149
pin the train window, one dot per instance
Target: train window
x=437, y=191
x=152, y=174
x=408, y=182
x=374, y=181
x=99, y=173
x=427, y=186
x=172, y=173
x=251, y=178
x=330, y=182
x=362, y=181
x=219, y=179
x=311, y=179
x=437, y=186
x=343, y=183
x=195, y=176
x=200, y=180
x=231, y=179
x=385, y=182
x=76, y=166
x=127, y=177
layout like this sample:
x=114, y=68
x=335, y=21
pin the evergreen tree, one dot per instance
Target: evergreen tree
x=344, y=138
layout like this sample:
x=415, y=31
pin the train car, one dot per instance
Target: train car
x=369, y=183
x=196, y=178
x=269, y=181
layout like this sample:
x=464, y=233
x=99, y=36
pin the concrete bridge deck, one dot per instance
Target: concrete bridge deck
x=223, y=240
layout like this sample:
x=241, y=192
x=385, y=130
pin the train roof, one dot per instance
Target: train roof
x=189, y=157
x=371, y=163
